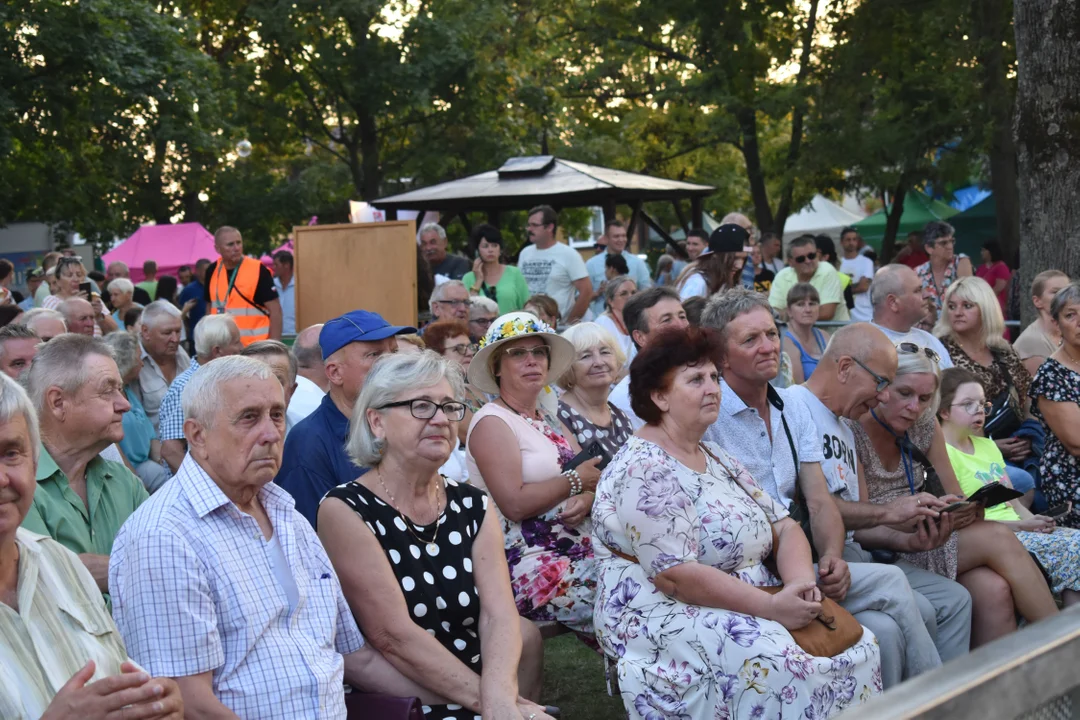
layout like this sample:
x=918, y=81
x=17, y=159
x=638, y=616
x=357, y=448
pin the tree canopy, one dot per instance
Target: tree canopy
x=118, y=112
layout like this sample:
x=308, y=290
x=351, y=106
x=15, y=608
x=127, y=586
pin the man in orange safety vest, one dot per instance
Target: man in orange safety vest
x=244, y=288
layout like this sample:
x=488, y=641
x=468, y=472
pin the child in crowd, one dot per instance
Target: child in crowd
x=977, y=461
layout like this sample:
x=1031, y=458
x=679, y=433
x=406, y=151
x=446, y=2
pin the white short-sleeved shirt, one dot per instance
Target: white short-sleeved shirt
x=857, y=268
x=919, y=337
x=553, y=272
x=740, y=431
x=840, y=460
x=694, y=286
x=620, y=398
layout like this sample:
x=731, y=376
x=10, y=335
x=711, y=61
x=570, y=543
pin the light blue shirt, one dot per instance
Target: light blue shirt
x=194, y=592
x=138, y=431
x=639, y=273
x=287, y=298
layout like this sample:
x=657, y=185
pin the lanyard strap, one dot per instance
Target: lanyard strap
x=906, y=460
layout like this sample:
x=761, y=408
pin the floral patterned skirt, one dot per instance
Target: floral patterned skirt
x=1058, y=553
x=686, y=662
x=552, y=571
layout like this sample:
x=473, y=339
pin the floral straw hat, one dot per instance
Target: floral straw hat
x=514, y=326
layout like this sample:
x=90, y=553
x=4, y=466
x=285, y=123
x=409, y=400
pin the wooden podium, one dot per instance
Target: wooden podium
x=369, y=266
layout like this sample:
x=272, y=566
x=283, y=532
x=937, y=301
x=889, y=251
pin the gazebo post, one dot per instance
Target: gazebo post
x=493, y=217
x=635, y=217
x=391, y=214
x=464, y=217
x=610, y=213
x=697, y=217
x=681, y=215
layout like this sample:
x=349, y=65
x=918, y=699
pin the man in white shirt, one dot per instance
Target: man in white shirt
x=896, y=296
x=554, y=269
x=615, y=234
x=772, y=433
x=853, y=377
x=283, y=281
x=645, y=314
x=861, y=271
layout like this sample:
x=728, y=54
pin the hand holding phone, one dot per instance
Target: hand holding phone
x=86, y=288
x=1058, y=511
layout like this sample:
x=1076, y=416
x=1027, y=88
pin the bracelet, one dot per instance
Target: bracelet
x=576, y=486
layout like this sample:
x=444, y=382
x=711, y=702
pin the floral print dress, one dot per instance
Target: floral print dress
x=552, y=571
x=677, y=661
x=1059, y=468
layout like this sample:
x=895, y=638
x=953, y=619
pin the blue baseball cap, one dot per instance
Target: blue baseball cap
x=357, y=326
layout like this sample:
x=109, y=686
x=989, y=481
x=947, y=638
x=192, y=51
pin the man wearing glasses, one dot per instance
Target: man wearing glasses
x=853, y=378
x=314, y=459
x=449, y=301
x=804, y=266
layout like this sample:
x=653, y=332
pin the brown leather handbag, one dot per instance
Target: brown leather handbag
x=834, y=629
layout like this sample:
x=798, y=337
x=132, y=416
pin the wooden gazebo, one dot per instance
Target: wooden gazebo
x=524, y=182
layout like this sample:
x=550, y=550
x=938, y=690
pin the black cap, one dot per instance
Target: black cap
x=727, y=238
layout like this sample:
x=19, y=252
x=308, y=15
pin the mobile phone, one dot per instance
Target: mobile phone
x=590, y=451
x=87, y=288
x=955, y=506
x=1057, y=511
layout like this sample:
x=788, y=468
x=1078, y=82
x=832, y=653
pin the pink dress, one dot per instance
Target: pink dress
x=552, y=570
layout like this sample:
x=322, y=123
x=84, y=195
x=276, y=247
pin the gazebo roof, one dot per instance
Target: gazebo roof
x=523, y=182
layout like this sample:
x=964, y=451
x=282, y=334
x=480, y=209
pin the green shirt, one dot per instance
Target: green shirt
x=150, y=286
x=511, y=291
x=984, y=466
x=826, y=280
x=112, y=492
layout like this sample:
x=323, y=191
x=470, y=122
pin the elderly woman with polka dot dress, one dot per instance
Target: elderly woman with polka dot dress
x=421, y=557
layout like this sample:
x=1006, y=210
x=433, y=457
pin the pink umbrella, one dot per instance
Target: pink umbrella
x=170, y=246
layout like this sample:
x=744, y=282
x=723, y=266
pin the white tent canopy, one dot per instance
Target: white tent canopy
x=820, y=217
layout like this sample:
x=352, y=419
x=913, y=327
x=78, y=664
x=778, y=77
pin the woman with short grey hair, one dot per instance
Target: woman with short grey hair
x=419, y=556
x=141, y=445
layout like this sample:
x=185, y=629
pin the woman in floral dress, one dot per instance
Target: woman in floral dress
x=515, y=451
x=682, y=535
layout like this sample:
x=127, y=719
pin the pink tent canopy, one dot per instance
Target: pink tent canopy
x=169, y=245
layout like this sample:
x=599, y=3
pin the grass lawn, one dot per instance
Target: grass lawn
x=574, y=681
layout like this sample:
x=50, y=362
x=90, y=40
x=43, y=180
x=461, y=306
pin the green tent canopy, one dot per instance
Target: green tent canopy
x=919, y=209
x=975, y=226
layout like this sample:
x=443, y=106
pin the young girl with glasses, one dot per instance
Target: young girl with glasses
x=977, y=461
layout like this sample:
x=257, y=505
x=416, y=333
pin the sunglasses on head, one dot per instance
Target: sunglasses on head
x=910, y=348
x=804, y=258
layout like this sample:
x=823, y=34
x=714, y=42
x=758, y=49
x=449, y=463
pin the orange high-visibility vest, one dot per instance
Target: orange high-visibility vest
x=253, y=320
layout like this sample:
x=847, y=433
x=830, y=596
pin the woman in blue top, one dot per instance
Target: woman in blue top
x=140, y=445
x=801, y=339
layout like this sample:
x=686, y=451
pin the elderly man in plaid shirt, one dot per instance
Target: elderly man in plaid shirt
x=220, y=584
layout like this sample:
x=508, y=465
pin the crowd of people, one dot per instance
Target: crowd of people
x=679, y=467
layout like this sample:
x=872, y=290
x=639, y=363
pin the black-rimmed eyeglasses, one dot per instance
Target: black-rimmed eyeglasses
x=882, y=382
x=425, y=409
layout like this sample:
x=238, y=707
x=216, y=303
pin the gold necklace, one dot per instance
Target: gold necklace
x=432, y=547
x=1068, y=354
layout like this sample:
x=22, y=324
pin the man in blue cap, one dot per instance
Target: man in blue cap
x=314, y=459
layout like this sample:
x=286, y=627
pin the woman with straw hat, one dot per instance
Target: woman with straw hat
x=516, y=452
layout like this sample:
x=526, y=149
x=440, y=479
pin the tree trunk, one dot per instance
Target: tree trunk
x=892, y=219
x=1048, y=138
x=798, y=113
x=369, y=156
x=993, y=28
x=747, y=118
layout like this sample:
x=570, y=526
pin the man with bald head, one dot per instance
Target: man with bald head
x=79, y=316
x=311, y=381
x=852, y=379
x=772, y=433
x=896, y=296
